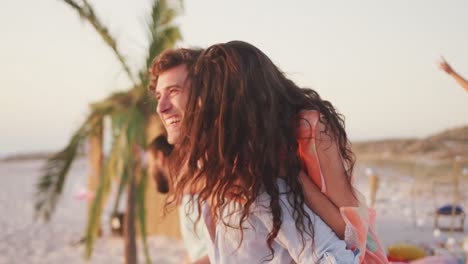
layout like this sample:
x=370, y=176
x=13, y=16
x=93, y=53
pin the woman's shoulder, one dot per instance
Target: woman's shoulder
x=262, y=203
x=321, y=243
x=307, y=122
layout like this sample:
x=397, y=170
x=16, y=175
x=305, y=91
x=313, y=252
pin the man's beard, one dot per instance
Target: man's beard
x=162, y=184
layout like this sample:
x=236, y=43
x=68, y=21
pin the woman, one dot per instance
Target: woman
x=240, y=140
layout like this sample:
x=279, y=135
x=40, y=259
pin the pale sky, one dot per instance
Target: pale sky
x=375, y=60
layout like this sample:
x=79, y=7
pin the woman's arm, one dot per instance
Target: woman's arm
x=339, y=189
x=322, y=206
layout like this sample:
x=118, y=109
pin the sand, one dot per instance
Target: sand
x=22, y=240
x=25, y=241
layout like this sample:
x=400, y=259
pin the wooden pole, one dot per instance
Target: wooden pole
x=456, y=198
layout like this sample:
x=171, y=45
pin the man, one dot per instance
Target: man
x=443, y=65
x=168, y=82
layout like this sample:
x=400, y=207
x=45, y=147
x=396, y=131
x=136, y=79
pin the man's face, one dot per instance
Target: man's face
x=172, y=94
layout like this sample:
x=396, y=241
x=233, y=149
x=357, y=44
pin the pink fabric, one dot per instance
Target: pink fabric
x=360, y=221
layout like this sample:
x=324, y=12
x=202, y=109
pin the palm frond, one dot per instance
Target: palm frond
x=114, y=166
x=131, y=254
x=121, y=187
x=86, y=12
x=94, y=219
x=50, y=185
x=142, y=214
x=136, y=128
x=161, y=20
x=165, y=38
x=119, y=101
x=128, y=111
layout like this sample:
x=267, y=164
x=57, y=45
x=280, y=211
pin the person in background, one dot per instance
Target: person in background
x=443, y=65
x=160, y=149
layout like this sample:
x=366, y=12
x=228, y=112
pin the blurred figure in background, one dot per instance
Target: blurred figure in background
x=161, y=149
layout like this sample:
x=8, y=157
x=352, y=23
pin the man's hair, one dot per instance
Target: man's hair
x=160, y=144
x=238, y=137
x=169, y=59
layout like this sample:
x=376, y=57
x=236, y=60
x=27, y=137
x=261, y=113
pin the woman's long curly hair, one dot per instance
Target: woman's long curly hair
x=238, y=134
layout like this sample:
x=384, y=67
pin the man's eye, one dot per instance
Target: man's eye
x=174, y=91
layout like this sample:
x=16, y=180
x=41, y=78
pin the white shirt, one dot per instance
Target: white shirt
x=193, y=237
x=288, y=246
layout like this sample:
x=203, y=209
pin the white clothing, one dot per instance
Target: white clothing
x=288, y=246
x=192, y=235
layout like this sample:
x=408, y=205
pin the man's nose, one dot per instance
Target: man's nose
x=164, y=104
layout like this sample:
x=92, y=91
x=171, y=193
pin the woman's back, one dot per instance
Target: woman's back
x=288, y=246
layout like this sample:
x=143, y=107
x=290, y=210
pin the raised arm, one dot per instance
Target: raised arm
x=443, y=65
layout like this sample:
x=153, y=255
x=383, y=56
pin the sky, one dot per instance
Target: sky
x=375, y=60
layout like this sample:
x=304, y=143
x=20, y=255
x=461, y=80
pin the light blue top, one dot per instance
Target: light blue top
x=288, y=246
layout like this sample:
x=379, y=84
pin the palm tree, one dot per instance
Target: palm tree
x=131, y=113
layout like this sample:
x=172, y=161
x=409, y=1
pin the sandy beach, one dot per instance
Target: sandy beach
x=25, y=241
x=399, y=219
